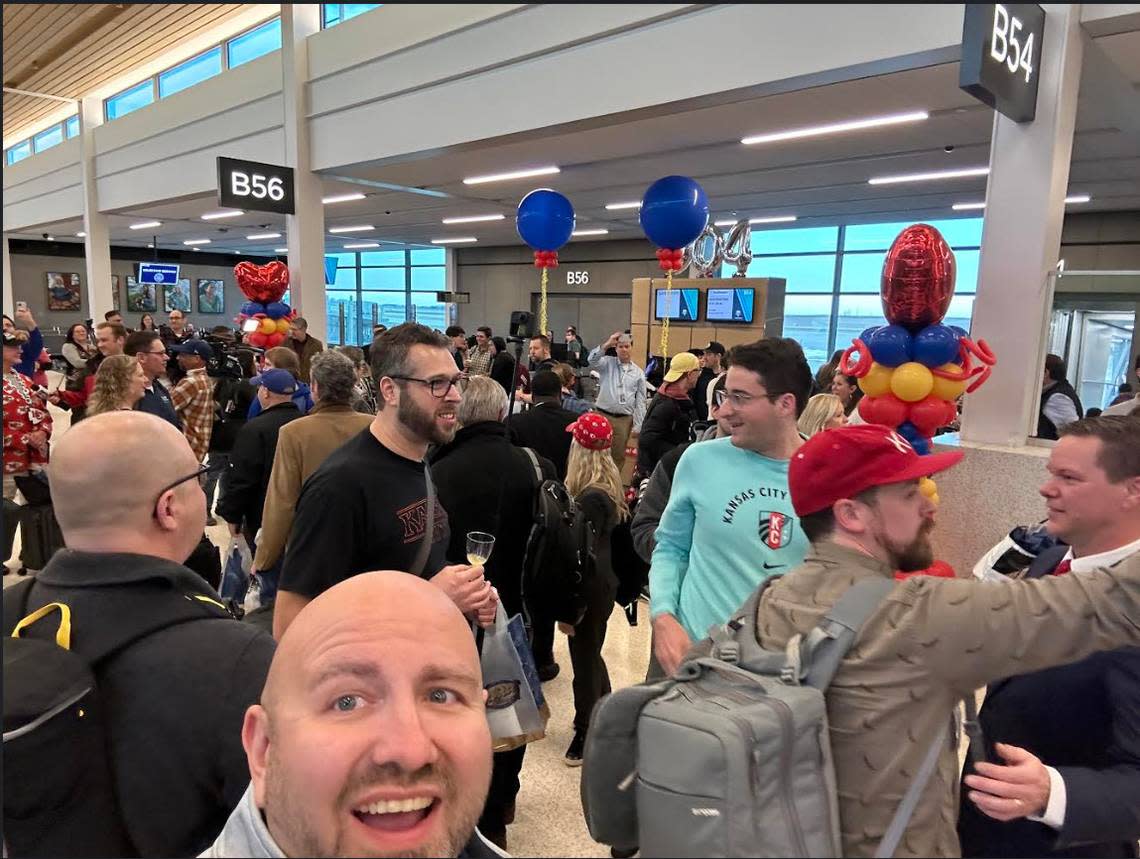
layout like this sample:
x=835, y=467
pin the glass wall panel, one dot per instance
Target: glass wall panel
x=140, y=95
x=427, y=310
x=48, y=138
x=807, y=318
x=193, y=71
x=254, y=44
x=383, y=278
x=803, y=273
x=796, y=241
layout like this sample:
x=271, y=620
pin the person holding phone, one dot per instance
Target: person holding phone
x=33, y=345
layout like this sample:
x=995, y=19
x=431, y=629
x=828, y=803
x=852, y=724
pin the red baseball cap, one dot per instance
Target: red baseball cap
x=592, y=431
x=841, y=463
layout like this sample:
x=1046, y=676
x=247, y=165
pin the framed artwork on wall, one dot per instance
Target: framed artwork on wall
x=63, y=291
x=176, y=296
x=211, y=296
x=115, y=304
x=140, y=296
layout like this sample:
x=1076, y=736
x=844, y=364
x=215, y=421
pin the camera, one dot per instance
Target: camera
x=521, y=327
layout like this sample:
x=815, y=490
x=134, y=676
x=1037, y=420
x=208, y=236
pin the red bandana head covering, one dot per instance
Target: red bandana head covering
x=592, y=431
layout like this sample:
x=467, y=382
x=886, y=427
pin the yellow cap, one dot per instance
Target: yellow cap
x=682, y=363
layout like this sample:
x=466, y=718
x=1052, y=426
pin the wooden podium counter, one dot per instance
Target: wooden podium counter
x=767, y=315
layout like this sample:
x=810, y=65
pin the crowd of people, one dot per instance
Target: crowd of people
x=346, y=714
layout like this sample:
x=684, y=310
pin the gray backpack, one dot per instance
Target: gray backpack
x=732, y=756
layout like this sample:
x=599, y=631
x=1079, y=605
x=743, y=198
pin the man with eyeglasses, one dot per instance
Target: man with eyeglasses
x=730, y=522
x=174, y=695
x=371, y=505
x=148, y=348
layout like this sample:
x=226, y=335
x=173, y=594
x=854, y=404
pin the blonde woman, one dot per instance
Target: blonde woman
x=119, y=385
x=593, y=481
x=823, y=411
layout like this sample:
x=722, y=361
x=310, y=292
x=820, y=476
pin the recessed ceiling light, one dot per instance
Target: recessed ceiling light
x=81, y=235
x=50, y=238
x=196, y=249
x=257, y=236
x=967, y=207
x=457, y=241
x=837, y=127
x=281, y=250
x=217, y=216
x=590, y=233
x=341, y=198
x=613, y=207
x=1078, y=198
x=931, y=176
x=146, y=225
x=196, y=242
x=359, y=229
x=150, y=245
x=237, y=252
x=359, y=245
x=473, y=219
x=515, y=174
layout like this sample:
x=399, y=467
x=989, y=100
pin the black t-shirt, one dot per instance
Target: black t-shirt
x=364, y=509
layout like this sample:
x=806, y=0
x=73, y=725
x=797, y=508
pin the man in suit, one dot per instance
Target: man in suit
x=543, y=427
x=1068, y=738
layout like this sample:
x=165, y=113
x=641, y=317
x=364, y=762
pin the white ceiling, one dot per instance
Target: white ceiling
x=821, y=180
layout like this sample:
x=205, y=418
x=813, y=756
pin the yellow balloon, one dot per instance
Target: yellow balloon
x=928, y=487
x=282, y=326
x=268, y=326
x=912, y=382
x=877, y=381
x=947, y=389
x=935, y=500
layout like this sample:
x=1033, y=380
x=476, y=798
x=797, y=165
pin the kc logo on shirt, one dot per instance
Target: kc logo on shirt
x=775, y=529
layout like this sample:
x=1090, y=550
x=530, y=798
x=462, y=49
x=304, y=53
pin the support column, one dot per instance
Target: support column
x=1021, y=239
x=306, y=229
x=97, y=243
x=9, y=301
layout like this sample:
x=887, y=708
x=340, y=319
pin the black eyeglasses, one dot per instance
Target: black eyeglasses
x=201, y=476
x=159, y=352
x=439, y=387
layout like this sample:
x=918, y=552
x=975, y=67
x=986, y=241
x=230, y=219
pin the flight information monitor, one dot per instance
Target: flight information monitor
x=730, y=305
x=682, y=305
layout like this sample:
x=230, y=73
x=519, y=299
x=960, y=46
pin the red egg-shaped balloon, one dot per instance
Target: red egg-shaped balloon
x=930, y=414
x=887, y=410
x=918, y=278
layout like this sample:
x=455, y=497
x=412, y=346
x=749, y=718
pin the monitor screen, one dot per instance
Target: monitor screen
x=330, y=271
x=682, y=305
x=158, y=274
x=730, y=305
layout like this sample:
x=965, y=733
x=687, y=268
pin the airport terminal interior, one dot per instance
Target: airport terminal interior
x=939, y=203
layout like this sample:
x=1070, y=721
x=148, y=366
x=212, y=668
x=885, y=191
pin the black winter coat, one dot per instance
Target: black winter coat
x=668, y=423
x=487, y=484
x=246, y=481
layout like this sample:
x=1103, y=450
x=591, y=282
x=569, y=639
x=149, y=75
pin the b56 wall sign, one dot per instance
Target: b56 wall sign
x=260, y=187
x=1001, y=56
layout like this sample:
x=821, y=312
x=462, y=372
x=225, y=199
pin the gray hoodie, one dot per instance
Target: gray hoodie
x=246, y=834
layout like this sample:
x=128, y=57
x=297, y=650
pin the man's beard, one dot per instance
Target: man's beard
x=915, y=555
x=421, y=422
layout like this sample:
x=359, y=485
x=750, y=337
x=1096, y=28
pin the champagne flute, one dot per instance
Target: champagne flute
x=479, y=546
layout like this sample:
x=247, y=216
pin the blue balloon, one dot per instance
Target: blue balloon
x=960, y=331
x=545, y=220
x=674, y=211
x=917, y=440
x=252, y=308
x=277, y=310
x=891, y=345
x=935, y=345
x=867, y=332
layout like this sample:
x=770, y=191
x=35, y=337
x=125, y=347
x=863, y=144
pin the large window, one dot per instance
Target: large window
x=833, y=275
x=385, y=288
x=129, y=100
x=193, y=71
x=336, y=13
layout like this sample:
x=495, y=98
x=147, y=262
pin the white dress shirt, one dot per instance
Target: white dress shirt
x=1054, y=815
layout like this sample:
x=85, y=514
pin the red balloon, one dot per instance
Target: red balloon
x=939, y=569
x=263, y=283
x=258, y=340
x=930, y=414
x=918, y=278
x=886, y=410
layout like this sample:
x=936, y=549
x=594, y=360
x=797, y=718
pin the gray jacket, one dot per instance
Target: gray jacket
x=246, y=835
x=655, y=498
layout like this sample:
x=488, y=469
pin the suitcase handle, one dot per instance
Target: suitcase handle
x=62, y=635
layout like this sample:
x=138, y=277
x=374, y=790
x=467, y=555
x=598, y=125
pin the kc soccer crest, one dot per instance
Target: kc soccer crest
x=775, y=529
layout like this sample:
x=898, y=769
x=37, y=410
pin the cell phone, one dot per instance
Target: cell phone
x=21, y=305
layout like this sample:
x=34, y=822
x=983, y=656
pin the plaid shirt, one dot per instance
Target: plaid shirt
x=193, y=399
x=479, y=363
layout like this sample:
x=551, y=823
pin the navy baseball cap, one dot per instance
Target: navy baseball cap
x=276, y=381
x=194, y=347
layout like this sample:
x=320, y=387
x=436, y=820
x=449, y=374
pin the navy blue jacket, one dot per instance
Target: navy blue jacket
x=157, y=402
x=1082, y=719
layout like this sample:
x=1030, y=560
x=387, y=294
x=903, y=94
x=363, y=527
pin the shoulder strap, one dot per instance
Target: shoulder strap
x=538, y=478
x=826, y=645
x=737, y=641
x=429, y=526
x=909, y=802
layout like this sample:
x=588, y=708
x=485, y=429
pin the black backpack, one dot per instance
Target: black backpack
x=59, y=795
x=229, y=416
x=559, y=553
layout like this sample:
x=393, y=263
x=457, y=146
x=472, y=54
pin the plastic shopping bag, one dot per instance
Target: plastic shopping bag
x=516, y=709
x=1011, y=556
x=239, y=561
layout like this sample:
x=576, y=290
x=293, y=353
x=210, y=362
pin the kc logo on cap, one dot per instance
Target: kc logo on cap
x=841, y=463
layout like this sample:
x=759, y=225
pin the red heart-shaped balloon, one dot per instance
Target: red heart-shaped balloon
x=262, y=283
x=918, y=278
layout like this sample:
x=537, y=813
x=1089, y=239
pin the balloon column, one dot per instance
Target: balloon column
x=674, y=212
x=264, y=286
x=913, y=370
x=545, y=221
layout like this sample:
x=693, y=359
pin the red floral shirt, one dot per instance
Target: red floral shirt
x=25, y=412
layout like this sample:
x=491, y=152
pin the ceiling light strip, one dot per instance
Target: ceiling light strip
x=146, y=225
x=362, y=228
x=217, y=216
x=932, y=176
x=514, y=174
x=342, y=198
x=474, y=219
x=615, y=207
x=257, y=236
x=837, y=127
x=456, y=241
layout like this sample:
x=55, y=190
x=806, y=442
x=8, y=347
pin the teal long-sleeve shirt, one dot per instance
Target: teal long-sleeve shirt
x=728, y=526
